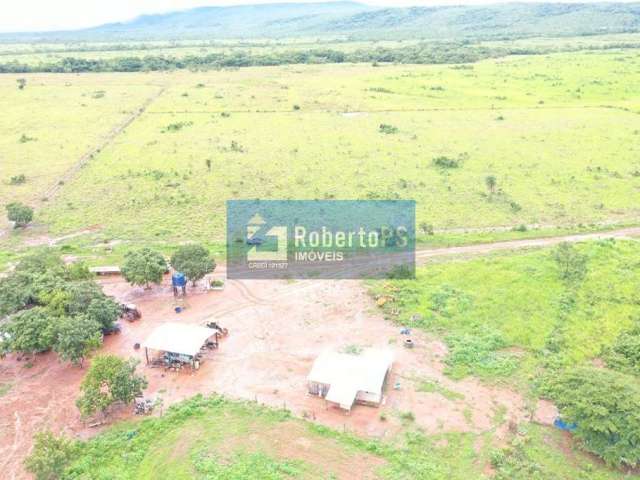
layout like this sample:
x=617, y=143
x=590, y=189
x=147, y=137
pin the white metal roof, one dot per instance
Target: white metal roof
x=348, y=374
x=179, y=338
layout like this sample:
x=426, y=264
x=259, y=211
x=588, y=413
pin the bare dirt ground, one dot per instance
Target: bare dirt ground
x=276, y=329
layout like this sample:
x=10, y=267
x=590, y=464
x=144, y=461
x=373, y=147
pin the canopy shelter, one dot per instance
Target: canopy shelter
x=345, y=379
x=178, y=338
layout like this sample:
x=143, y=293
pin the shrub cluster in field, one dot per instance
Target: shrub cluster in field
x=558, y=310
x=51, y=305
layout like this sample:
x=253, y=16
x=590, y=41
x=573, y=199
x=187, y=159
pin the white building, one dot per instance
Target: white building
x=344, y=379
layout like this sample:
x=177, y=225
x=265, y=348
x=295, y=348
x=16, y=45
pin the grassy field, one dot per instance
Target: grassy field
x=47, y=126
x=563, y=149
x=511, y=313
x=215, y=438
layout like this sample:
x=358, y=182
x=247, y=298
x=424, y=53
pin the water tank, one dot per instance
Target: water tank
x=178, y=280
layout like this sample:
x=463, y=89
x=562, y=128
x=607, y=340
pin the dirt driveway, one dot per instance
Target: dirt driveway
x=277, y=329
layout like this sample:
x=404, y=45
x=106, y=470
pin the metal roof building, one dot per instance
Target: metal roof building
x=344, y=379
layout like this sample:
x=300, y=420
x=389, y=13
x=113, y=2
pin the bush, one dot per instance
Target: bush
x=572, y=264
x=479, y=354
x=446, y=162
x=388, y=129
x=605, y=406
x=19, y=213
x=18, y=179
x=50, y=456
x=624, y=354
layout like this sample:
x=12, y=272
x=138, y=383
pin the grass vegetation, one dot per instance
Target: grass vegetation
x=213, y=437
x=172, y=185
x=510, y=311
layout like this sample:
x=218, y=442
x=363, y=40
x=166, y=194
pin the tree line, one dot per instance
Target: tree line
x=459, y=52
x=422, y=53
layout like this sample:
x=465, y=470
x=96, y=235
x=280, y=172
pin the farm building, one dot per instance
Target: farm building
x=344, y=379
x=180, y=343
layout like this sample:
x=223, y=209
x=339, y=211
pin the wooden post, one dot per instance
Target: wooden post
x=146, y=354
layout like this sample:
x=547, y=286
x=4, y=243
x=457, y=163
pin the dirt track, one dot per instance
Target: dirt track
x=423, y=255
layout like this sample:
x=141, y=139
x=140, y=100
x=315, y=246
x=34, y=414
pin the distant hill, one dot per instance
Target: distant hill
x=355, y=20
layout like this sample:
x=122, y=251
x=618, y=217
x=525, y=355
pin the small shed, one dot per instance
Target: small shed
x=178, y=338
x=344, y=379
x=106, y=270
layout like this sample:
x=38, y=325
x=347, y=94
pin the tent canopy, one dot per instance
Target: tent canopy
x=179, y=338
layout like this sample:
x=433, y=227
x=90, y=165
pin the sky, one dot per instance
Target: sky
x=39, y=15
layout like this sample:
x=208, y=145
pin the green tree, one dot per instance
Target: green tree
x=76, y=337
x=194, y=261
x=605, y=406
x=571, y=263
x=50, y=456
x=29, y=331
x=491, y=182
x=104, y=311
x=19, y=213
x=40, y=261
x=79, y=271
x=142, y=267
x=109, y=379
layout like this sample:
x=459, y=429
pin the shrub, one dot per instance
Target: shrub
x=50, y=456
x=605, y=406
x=19, y=213
x=479, y=354
x=624, y=354
x=18, y=179
x=572, y=265
x=446, y=162
x=25, y=139
x=176, y=127
x=388, y=129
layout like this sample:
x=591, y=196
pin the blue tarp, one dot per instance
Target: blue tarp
x=562, y=425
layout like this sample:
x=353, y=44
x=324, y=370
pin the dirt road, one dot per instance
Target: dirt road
x=424, y=255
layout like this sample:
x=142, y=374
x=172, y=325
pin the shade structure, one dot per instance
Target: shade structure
x=349, y=378
x=179, y=338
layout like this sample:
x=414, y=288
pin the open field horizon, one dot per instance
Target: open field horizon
x=525, y=170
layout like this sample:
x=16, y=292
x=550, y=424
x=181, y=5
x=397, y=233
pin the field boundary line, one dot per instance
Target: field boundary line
x=106, y=140
x=403, y=110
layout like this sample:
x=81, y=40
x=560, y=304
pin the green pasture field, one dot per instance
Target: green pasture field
x=564, y=150
x=215, y=438
x=52, y=122
x=509, y=313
